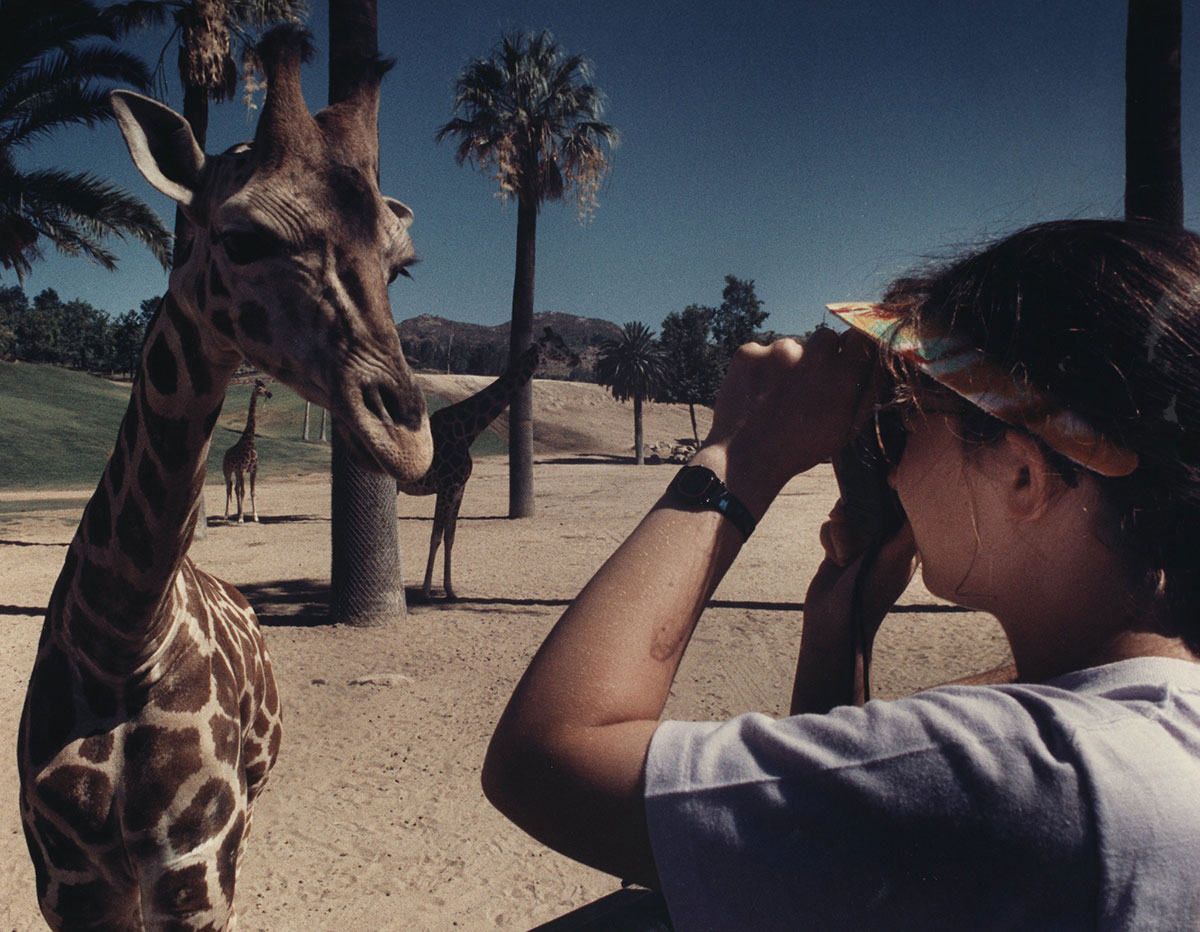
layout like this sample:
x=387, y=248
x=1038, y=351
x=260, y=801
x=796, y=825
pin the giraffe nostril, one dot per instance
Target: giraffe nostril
x=386, y=405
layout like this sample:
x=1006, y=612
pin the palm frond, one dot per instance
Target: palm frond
x=54, y=201
x=529, y=114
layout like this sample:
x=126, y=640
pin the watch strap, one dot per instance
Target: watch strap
x=698, y=487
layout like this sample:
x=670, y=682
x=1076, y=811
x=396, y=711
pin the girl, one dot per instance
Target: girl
x=1039, y=402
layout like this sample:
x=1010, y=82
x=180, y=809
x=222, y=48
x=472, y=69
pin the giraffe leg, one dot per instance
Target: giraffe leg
x=451, y=520
x=239, y=490
x=435, y=541
x=228, y=492
x=253, y=507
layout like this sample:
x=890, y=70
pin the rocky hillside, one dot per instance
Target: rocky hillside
x=430, y=342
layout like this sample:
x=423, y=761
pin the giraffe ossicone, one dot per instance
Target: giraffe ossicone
x=454, y=429
x=151, y=718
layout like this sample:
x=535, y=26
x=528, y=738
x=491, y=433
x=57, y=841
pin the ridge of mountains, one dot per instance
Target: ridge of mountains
x=442, y=336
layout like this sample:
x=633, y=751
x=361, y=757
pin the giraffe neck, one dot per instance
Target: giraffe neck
x=475, y=413
x=114, y=593
x=248, y=433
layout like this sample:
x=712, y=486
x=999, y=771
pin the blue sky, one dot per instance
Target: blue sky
x=819, y=149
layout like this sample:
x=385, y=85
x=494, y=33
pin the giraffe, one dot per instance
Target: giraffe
x=241, y=459
x=151, y=717
x=454, y=429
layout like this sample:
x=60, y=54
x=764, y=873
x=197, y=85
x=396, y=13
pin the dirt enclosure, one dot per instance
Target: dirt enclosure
x=373, y=817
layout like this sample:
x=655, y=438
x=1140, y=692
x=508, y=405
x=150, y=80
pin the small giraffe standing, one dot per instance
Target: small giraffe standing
x=241, y=459
x=454, y=429
x=151, y=717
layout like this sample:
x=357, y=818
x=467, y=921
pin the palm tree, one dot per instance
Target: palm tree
x=56, y=64
x=1153, y=168
x=366, y=573
x=208, y=32
x=530, y=115
x=634, y=366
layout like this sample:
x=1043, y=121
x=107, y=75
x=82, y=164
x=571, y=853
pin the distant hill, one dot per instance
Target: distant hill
x=430, y=341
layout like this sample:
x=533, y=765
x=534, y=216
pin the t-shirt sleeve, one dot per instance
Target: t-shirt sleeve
x=924, y=813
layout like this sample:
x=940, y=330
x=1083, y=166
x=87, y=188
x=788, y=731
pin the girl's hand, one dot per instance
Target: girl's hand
x=784, y=408
x=826, y=672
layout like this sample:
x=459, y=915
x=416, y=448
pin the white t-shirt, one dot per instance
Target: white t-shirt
x=1073, y=804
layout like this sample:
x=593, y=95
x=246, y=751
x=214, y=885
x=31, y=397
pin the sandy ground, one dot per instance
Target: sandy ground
x=373, y=817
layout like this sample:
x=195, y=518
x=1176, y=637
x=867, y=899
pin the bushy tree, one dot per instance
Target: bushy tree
x=693, y=362
x=738, y=318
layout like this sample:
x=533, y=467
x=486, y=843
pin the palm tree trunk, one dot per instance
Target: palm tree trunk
x=639, y=436
x=1153, y=169
x=367, y=581
x=520, y=412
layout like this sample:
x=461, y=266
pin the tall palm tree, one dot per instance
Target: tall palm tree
x=635, y=366
x=57, y=65
x=1153, y=166
x=366, y=573
x=529, y=114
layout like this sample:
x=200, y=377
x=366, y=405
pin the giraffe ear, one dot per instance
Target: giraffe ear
x=161, y=144
x=402, y=212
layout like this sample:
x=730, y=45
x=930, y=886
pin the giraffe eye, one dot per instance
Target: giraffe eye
x=246, y=246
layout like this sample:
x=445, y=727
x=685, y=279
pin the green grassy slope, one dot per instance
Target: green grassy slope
x=57, y=429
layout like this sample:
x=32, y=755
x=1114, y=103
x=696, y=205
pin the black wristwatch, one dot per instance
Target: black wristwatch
x=698, y=487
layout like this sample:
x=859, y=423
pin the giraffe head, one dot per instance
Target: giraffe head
x=260, y=389
x=293, y=250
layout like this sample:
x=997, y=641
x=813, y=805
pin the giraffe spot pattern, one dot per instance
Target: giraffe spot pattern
x=116, y=467
x=151, y=485
x=97, y=748
x=190, y=344
x=134, y=536
x=205, y=816
x=129, y=426
x=101, y=698
x=225, y=737
x=222, y=321
x=54, y=719
x=254, y=321
x=61, y=852
x=99, y=517
x=168, y=437
x=227, y=857
x=157, y=763
x=161, y=368
x=187, y=685
x=82, y=798
x=216, y=285
x=79, y=904
x=183, y=891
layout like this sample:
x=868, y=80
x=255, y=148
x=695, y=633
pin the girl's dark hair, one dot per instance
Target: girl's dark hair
x=1104, y=317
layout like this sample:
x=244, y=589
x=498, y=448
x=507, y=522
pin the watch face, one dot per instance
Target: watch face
x=695, y=483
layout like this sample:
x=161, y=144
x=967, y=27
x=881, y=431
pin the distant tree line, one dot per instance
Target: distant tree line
x=687, y=363
x=71, y=333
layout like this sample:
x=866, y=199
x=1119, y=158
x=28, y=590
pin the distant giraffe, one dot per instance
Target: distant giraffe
x=151, y=718
x=241, y=459
x=454, y=429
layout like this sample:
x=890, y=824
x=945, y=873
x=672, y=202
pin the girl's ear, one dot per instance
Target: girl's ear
x=1031, y=484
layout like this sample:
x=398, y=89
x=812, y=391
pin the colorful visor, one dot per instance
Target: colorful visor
x=967, y=372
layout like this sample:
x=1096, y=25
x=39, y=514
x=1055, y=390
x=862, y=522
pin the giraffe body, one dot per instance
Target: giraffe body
x=240, y=462
x=454, y=429
x=151, y=717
